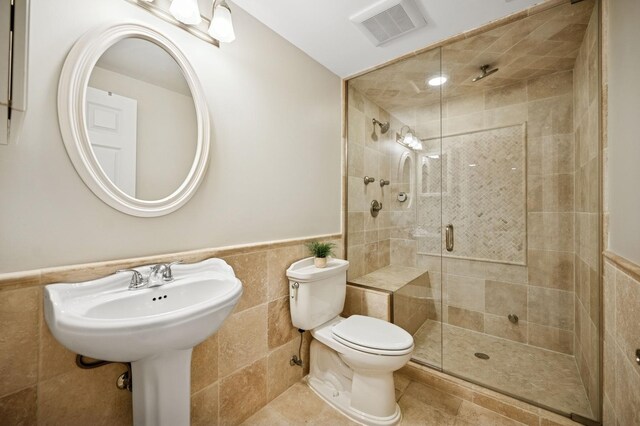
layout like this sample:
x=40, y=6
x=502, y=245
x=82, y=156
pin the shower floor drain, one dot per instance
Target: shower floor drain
x=481, y=355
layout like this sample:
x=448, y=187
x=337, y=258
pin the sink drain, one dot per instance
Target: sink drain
x=481, y=355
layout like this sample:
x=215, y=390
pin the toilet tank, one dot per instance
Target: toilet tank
x=316, y=294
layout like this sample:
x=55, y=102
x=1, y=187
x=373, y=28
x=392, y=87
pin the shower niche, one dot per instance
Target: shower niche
x=406, y=181
x=510, y=161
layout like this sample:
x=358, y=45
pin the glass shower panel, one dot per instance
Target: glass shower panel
x=519, y=202
x=408, y=155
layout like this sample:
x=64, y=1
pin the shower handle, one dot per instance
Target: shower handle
x=449, y=237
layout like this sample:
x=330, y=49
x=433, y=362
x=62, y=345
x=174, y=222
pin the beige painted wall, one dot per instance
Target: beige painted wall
x=624, y=128
x=275, y=165
x=166, y=132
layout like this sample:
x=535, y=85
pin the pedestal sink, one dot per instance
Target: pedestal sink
x=153, y=328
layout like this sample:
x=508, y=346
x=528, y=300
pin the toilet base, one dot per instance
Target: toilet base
x=333, y=381
x=342, y=402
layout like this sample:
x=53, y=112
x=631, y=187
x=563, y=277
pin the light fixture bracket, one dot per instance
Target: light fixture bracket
x=160, y=9
x=415, y=143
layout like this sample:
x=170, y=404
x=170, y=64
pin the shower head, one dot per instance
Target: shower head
x=384, y=127
x=485, y=72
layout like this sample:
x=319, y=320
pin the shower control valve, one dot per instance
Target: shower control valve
x=368, y=180
x=376, y=206
x=383, y=183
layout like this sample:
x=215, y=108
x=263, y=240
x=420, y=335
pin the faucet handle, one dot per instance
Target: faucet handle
x=167, y=274
x=137, y=280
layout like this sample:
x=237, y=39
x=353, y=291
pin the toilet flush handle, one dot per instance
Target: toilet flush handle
x=294, y=290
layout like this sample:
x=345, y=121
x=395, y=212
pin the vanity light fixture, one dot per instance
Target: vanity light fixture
x=221, y=27
x=408, y=139
x=186, y=15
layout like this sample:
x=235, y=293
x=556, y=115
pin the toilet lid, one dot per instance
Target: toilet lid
x=372, y=333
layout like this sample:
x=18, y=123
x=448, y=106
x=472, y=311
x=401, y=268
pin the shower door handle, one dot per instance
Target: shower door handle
x=449, y=237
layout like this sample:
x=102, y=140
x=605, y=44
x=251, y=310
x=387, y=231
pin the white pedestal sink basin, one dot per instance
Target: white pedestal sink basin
x=153, y=328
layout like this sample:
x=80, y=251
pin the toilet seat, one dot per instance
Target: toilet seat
x=372, y=335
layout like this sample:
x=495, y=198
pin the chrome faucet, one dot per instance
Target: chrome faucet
x=138, y=281
x=161, y=274
x=158, y=275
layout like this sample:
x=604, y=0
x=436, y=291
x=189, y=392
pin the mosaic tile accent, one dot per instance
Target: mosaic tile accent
x=485, y=199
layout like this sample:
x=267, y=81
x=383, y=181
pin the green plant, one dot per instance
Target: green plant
x=319, y=249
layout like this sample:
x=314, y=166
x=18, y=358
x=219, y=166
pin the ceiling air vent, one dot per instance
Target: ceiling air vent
x=388, y=20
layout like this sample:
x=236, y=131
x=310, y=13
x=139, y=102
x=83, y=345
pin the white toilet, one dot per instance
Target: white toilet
x=352, y=359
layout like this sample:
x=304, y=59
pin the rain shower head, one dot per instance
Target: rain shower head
x=384, y=127
x=485, y=72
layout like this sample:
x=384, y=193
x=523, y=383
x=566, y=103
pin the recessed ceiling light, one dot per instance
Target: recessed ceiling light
x=438, y=80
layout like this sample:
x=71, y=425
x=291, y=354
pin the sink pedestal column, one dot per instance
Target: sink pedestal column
x=162, y=389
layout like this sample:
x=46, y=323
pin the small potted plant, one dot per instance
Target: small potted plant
x=320, y=252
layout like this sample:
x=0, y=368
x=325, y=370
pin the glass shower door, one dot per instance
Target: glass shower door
x=520, y=204
x=426, y=230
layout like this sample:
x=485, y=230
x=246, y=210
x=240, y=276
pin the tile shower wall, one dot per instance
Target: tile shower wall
x=480, y=295
x=586, y=104
x=234, y=373
x=483, y=176
x=376, y=155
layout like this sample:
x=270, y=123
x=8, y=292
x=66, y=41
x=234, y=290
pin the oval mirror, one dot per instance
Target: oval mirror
x=134, y=119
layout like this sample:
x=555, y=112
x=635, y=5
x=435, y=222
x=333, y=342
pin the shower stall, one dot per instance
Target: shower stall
x=487, y=234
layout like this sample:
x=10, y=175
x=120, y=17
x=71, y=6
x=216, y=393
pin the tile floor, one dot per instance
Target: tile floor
x=420, y=404
x=548, y=378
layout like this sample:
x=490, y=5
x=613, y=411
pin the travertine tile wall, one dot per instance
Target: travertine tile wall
x=621, y=400
x=369, y=302
x=369, y=239
x=586, y=106
x=481, y=294
x=234, y=373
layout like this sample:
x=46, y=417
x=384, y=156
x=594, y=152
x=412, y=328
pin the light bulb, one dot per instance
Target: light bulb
x=408, y=139
x=221, y=27
x=438, y=80
x=186, y=11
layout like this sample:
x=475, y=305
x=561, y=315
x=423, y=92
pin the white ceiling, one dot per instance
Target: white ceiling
x=322, y=28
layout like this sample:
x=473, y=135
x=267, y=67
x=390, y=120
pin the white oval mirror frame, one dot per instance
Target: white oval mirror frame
x=71, y=115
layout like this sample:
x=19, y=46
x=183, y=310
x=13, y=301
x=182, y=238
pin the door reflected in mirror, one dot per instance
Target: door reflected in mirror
x=141, y=119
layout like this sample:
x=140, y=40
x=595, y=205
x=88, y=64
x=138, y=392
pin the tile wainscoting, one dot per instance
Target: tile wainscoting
x=40, y=383
x=621, y=373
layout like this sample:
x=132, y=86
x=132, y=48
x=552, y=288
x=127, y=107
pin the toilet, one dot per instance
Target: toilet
x=352, y=360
